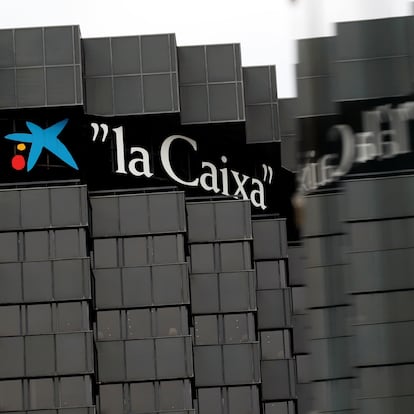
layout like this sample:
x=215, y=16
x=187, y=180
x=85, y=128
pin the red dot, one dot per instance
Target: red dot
x=18, y=162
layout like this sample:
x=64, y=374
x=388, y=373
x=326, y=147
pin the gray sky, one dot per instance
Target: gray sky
x=266, y=29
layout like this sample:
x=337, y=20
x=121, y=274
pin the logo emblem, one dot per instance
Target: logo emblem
x=40, y=138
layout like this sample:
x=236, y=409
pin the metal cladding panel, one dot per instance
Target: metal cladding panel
x=325, y=361
x=211, y=77
x=43, y=64
x=218, y=221
x=269, y=239
x=274, y=309
x=223, y=292
x=325, y=251
x=271, y=274
x=383, y=344
x=371, y=199
x=262, y=109
x=234, y=364
x=124, y=76
x=278, y=380
x=334, y=396
x=136, y=287
x=330, y=322
x=296, y=265
x=228, y=400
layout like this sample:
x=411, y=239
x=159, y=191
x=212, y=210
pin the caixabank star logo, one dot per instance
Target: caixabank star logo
x=39, y=139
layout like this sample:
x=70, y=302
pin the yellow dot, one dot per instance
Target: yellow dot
x=21, y=147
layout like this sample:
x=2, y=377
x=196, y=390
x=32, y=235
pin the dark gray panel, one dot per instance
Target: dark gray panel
x=299, y=300
x=315, y=56
x=333, y=396
x=210, y=401
x=331, y=358
x=290, y=151
x=201, y=222
x=296, y=265
x=330, y=322
x=36, y=245
x=388, y=381
x=325, y=251
x=194, y=104
x=171, y=222
x=10, y=283
x=171, y=321
x=68, y=206
x=161, y=60
x=223, y=102
x=233, y=220
x=11, y=357
x=8, y=89
x=126, y=58
x=135, y=251
x=128, y=98
x=157, y=93
x=111, y=364
x=284, y=407
x=70, y=243
x=39, y=319
x=59, y=45
x=192, y=64
x=9, y=247
x=371, y=271
x=7, y=48
x=37, y=281
x=206, y=330
x=243, y=400
x=140, y=359
x=105, y=253
x=315, y=96
x=99, y=97
x=111, y=398
x=170, y=284
x=11, y=395
x=262, y=123
x=134, y=214
x=221, y=63
x=72, y=317
x=400, y=405
x=60, y=86
x=241, y=364
x=269, y=239
x=258, y=85
x=71, y=279
x=383, y=307
x=381, y=344
x=10, y=321
x=105, y=216
x=97, y=56
x=204, y=294
x=136, y=284
x=372, y=38
x=278, y=380
x=74, y=353
x=75, y=391
x=303, y=369
x=326, y=286
x=202, y=258
x=109, y=325
x=367, y=79
x=300, y=334
x=275, y=345
x=239, y=328
x=41, y=394
x=288, y=114
x=40, y=355
x=29, y=47
x=168, y=249
x=375, y=198
x=236, y=292
x=234, y=256
x=273, y=309
x=138, y=322
x=108, y=291
x=173, y=356
x=175, y=395
x=30, y=85
x=271, y=274
x=208, y=365
x=143, y=397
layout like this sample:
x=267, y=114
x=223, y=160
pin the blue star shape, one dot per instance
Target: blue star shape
x=44, y=138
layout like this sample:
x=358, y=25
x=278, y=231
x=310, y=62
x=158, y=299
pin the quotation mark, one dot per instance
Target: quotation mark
x=267, y=173
x=96, y=129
